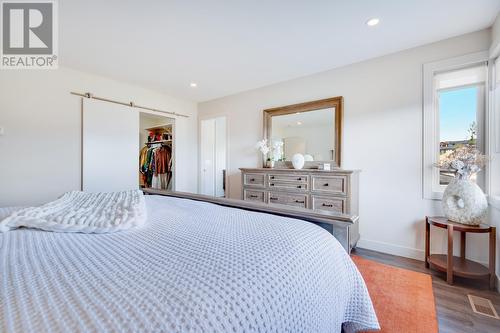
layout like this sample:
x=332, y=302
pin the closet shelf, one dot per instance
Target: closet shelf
x=167, y=127
x=161, y=141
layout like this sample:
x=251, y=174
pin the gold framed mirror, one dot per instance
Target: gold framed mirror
x=313, y=129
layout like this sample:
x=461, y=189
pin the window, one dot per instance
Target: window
x=454, y=116
x=461, y=116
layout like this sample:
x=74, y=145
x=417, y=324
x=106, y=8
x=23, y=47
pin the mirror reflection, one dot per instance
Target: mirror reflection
x=310, y=133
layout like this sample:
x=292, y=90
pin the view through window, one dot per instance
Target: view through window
x=458, y=123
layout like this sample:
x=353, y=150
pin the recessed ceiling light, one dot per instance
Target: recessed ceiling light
x=193, y=85
x=372, y=22
x=299, y=123
x=297, y=112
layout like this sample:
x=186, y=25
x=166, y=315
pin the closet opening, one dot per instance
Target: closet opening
x=156, y=151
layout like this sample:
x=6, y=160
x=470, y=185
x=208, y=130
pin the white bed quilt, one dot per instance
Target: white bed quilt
x=193, y=267
x=82, y=212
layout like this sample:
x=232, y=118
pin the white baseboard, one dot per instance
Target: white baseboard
x=396, y=250
x=401, y=251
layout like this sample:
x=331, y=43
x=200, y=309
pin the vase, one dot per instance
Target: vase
x=298, y=161
x=464, y=202
x=269, y=164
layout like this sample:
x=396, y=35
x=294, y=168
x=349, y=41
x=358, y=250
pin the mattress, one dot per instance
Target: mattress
x=193, y=267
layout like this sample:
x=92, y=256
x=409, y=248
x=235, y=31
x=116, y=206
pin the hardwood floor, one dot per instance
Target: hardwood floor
x=453, y=308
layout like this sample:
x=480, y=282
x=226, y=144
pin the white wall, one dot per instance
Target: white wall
x=495, y=220
x=40, y=152
x=495, y=38
x=382, y=136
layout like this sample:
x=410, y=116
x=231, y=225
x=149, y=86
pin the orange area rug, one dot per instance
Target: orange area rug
x=403, y=299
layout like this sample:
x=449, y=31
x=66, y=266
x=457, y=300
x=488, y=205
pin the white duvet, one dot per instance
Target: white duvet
x=193, y=267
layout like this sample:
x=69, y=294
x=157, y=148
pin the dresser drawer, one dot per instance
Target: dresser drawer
x=288, y=178
x=254, y=179
x=288, y=186
x=288, y=199
x=252, y=195
x=337, y=205
x=332, y=184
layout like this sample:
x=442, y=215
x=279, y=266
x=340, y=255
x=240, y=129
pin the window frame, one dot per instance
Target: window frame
x=493, y=146
x=431, y=138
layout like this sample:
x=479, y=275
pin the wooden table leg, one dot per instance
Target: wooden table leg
x=462, y=244
x=492, y=256
x=449, y=270
x=427, y=241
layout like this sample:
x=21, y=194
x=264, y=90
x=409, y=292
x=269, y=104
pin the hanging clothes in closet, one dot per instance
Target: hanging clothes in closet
x=155, y=165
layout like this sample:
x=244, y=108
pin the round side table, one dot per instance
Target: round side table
x=459, y=266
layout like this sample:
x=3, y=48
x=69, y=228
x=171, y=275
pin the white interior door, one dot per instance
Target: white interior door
x=220, y=156
x=207, y=148
x=213, y=156
x=110, y=150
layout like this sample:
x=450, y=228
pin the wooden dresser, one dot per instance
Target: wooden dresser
x=322, y=191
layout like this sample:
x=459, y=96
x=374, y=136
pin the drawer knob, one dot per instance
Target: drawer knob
x=253, y=196
x=252, y=179
x=327, y=205
x=299, y=178
x=272, y=177
x=325, y=184
x=300, y=201
x=299, y=186
x=271, y=198
x=271, y=184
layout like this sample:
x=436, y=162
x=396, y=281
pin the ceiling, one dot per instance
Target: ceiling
x=232, y=46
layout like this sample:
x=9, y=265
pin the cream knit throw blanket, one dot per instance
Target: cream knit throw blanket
x=83, y=212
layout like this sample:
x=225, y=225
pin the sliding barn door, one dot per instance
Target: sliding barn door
x=110, y=148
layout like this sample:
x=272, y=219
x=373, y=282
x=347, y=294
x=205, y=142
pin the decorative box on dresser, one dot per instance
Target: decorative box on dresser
x=325, y=192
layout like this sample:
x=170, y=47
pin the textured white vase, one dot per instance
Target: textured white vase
x=464, y=202
x=298, y=161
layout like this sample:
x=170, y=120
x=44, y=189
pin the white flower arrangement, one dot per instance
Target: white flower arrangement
x=466, y=161
x=263, y=147
x=275, y=149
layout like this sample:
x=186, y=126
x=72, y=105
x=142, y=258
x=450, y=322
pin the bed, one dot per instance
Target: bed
x=194, y=267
